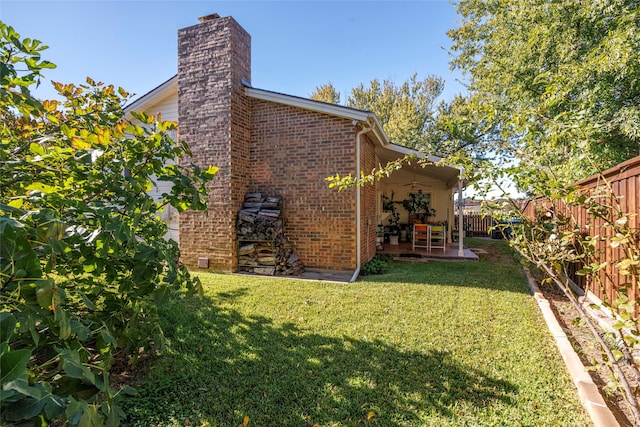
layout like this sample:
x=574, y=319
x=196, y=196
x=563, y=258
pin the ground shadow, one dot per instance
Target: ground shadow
x=283, y=376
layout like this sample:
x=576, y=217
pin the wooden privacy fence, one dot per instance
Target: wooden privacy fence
x=624, y=180
x=475, y=225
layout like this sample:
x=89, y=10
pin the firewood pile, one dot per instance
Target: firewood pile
x=263, y=247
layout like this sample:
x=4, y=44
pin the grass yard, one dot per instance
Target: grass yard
x=428, y=344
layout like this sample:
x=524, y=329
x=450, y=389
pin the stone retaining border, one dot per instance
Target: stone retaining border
x=589, y=394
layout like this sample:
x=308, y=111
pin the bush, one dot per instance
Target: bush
x=82, y=260
x=379, y=264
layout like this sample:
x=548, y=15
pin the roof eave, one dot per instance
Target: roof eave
x=154, y=94
x=412, y=151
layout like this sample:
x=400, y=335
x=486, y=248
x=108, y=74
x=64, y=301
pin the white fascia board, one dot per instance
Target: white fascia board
x=420, y=154
x=154, y=94
x=379, y=131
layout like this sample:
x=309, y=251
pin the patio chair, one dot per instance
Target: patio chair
x=437, y=238
x=420, y=236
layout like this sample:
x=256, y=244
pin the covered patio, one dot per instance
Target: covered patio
x=426, y=191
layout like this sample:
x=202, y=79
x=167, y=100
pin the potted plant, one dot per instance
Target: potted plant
x=404, y=232
x=394, y=223
x=380, y=234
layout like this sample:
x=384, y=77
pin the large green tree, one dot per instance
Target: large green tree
x=554, y=84
x=405, y=111
x=326, y=93
x=82, y=255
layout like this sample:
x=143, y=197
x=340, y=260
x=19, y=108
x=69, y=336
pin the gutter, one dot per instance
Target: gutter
x=358, y=207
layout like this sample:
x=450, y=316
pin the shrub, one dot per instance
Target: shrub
x=379, y=264
x=83, y=259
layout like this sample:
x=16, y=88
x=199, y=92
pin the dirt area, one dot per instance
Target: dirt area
x=588, y=351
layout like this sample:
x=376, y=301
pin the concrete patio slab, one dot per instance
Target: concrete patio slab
x=405, y=251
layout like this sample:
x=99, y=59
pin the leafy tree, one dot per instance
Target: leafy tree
x=326, y=93
x=405, y=111
x=82, y=254
x=556, y=84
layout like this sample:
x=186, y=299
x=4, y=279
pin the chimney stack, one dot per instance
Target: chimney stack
x=214, y=58
x=211, y=17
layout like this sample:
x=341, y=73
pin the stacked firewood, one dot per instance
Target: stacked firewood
x=263, y=247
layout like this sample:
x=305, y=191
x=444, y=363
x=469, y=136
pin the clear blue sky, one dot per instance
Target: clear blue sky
x=296, y=45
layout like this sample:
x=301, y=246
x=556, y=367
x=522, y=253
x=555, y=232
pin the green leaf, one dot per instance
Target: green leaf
x=47, y=64
x=13, y=364
x=129, y=391
x=16, y=203
x=53, y=407
x=212, y=170
x=113, y=420
x=89, y=267
x=36, y=149
x=86, y=300
x=7, y=326
x=9, y=396
x=617, y=354
x=39, y=186
x=74, y=410
x=91, y=417
x=80, y=331
x=108, y=338
x=74, y=368
x=44, y=293
x=22, y=386
x=25, y=409
x=66, y=386
x=16, y=251
x=58, y=247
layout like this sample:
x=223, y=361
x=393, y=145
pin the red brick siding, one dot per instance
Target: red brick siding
x=240, y=129
x=368, y=161
x=213, y=59
x=292, y=152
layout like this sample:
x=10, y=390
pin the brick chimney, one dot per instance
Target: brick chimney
x=214, y=57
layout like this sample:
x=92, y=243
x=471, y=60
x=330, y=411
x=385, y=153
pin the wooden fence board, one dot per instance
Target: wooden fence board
x=625, y=184
x=476, y=225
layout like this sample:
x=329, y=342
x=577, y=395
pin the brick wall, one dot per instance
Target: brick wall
x=292, y=152
x=368, y=200
x=214, y=115
x=266, y=147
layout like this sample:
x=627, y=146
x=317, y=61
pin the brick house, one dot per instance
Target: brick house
x=277, y=144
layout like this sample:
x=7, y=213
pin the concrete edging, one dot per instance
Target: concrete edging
x=589, y=394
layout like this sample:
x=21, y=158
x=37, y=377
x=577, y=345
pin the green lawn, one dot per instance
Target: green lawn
x=428, y=344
